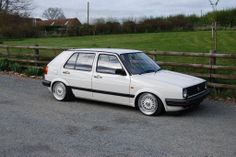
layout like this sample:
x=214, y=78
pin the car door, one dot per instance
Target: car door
x=107, y=85
x=78, y=72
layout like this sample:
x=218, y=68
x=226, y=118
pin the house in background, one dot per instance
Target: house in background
x=68, y=26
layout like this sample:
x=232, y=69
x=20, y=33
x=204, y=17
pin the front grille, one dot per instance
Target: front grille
x=196, y=89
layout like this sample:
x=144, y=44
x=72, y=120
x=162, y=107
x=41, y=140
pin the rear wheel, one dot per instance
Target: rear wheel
x=150, y=105
x=61, y=92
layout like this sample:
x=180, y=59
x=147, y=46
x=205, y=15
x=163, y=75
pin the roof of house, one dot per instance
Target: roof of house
x=60, y=22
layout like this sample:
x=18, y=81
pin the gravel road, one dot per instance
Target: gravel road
x=32, y=123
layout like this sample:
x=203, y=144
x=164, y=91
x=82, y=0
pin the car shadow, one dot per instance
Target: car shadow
x=188, y=112
x=104, y=104
x=205, y=109
x=195, y=110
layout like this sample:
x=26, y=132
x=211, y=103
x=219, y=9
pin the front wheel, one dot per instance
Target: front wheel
x=60, y=91
x=150, y=105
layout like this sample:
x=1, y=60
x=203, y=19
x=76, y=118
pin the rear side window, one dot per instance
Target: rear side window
x=80, y=61
x=85, y=61
x=70, y=64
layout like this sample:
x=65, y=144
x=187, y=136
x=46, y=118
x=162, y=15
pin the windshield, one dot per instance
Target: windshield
x=139, y=63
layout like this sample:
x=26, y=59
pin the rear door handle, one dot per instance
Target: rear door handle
x=98, y=77
x=66, y=72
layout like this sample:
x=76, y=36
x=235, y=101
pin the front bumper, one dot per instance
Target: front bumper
x=46, y=83
x=189, y=101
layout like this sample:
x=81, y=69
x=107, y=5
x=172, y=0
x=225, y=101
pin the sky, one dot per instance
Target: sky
x=128, y=8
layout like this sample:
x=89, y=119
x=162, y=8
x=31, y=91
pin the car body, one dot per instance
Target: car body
x=122, y=76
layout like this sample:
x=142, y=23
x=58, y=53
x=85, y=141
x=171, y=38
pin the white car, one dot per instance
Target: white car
x=121, y=76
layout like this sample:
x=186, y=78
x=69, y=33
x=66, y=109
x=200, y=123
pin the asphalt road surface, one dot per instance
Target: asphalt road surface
x=32, y=123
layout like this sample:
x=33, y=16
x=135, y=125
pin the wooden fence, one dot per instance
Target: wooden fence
x=36, y=57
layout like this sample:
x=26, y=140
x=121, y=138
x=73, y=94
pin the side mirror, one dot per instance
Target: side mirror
x=120, y=72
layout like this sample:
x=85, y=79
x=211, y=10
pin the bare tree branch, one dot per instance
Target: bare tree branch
x=53, y=14
x=21, y=7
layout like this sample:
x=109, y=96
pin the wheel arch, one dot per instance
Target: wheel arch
x=155, y=93
x=59, y=80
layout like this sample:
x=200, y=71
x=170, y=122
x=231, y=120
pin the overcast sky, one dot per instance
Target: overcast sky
x=128, y=8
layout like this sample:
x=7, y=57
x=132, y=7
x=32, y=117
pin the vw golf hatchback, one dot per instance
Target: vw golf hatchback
x=127, y=77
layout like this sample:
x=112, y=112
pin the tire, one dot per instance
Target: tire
x=61, y=92
x=150, y=105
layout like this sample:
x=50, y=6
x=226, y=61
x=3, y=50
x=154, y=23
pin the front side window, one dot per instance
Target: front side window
x=85, y=61
x=108, y=64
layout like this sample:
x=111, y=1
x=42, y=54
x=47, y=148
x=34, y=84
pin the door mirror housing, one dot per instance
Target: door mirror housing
x=120, y=72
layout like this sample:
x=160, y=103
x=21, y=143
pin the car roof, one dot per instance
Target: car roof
x=107, y=50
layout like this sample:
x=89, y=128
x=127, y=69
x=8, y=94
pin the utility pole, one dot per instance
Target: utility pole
x=214, y=37
x=214, y=24
x=88, y=13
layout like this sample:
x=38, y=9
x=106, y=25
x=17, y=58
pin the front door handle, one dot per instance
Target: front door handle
x=66, y=72
x=98, y=77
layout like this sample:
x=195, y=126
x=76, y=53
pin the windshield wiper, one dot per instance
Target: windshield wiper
x=148, y=71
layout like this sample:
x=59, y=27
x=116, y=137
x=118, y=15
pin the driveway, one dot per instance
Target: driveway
x=32, y=123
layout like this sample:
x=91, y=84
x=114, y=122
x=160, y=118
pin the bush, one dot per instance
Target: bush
x=4, y=63
x=15, y=67
x=222, y=93
x=35, y=71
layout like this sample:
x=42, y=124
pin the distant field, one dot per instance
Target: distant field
x=170, y=41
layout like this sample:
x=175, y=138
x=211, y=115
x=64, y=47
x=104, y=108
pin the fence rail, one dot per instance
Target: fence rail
x=35, y=57
x=193, y=54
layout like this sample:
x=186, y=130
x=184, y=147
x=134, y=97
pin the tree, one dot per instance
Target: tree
x=54, y=14
x=129, y=26
x=19, y=7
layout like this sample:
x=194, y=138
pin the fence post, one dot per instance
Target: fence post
x=36, y=55
x=154, y=56
x=8, y=52
x=212, y=62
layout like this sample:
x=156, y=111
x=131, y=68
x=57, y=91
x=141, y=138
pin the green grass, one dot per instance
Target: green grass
x=199, y=41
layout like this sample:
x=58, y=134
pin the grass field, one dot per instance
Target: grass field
x=169, y=41
x=199, y=41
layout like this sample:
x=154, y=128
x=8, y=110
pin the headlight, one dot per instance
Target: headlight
x=205, y=85
x=185, y=93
